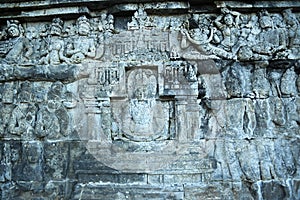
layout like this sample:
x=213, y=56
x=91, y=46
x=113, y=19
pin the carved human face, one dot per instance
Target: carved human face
x=33, y=152
x=83, y=29
x=57, y=88
x=15, y=155
x=13, y=31
x=55, y=30
x=103, y=16
x=289, y=18
x=110, y=18
x=31, y=33
x=265, y=22
x=228, y=19
x=139, y=93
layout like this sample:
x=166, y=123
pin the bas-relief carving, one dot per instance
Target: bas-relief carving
x=36, y=111
x=140, y=20
x=231, y=35
x=16, y=45
x=82, y=46
x=141, y=85
x=129, y=97
x=142, y=117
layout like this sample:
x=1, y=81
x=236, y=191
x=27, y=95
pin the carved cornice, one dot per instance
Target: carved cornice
x=40, y=10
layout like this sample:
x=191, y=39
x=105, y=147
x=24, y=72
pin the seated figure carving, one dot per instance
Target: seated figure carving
x=16, y=48
x=139, y=20
x=269, y=41
x=83, y=46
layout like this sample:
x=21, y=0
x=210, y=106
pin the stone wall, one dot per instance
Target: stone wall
x=151, y=100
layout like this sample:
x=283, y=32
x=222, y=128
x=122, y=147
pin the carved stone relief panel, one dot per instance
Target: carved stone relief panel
x=142, y=116
x=172, y=99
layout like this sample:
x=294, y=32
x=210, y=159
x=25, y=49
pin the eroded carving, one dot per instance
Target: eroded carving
x=55, y=54
x=16, y=47
x=270, y=40
x=158, y=95
x=82, y=46
x=231, y=35
x=36, y=111
x=143, y=117
x=140, y=20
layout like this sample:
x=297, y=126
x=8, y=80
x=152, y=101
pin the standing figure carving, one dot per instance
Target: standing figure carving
x=22, y=120
x=56, y=106
x=34, y=42
x=47, y=124
x=55, y=54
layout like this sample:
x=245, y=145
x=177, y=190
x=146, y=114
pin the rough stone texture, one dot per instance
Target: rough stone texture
x=149, y=100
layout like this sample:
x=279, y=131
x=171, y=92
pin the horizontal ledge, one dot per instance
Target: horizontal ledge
x=61, y=3
x=49, y=12
x=8, y=4
x=258, y=4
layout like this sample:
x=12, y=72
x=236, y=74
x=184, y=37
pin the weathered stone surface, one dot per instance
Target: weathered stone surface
x=149, y=100
x=92, y=191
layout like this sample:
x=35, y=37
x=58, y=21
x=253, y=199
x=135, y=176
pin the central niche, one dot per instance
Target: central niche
x=140, y=115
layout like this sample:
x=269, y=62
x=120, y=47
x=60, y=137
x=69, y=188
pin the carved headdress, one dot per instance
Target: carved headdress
x=83, y=25
x=13, y=23
x=57, y=22
x=265, y=19
x=264, y=13
x=56, y=26
x=83, y=20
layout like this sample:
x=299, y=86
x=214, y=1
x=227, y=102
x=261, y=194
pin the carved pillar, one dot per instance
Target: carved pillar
x=187, y=119
x=93, y=122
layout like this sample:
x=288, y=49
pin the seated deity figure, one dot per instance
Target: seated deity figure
x=142, y=102
x=269, y=41
x=142, y=116
x=139, y=20
x=55, y=54
x=83, y=46
x=16, y=48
